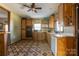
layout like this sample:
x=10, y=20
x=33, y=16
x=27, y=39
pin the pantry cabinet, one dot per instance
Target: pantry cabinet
x=26, y=28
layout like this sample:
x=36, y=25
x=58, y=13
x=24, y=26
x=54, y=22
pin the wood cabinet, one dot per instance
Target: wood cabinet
x=66, y=13
x=51, y=22
x=29, y=22
x=23, y=27
x=38, y=36
x=60, y=12
x=66, y=46
x=3, y=44
x=25, y=24
x=67, y=9
x=48, y=38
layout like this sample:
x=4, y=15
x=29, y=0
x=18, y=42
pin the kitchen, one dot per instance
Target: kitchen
x=58, y=30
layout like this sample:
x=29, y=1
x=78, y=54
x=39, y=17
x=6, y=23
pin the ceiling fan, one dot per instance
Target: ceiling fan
x=32, y=7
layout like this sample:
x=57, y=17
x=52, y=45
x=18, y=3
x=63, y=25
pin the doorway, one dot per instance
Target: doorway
x=4, y=31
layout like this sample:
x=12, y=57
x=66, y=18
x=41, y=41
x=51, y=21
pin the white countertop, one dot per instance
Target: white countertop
x=63, y=34
x=68, y=31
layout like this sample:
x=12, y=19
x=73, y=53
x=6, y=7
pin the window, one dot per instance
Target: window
x=37, y=27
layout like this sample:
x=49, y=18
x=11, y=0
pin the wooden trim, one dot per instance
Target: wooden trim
x=76, y=5
x=4, y=9
x=21, y=28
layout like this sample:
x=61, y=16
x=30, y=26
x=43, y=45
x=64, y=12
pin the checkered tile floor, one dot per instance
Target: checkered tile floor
x=29, y=48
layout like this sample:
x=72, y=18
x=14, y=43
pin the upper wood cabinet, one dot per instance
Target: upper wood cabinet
x=60, y=12
x=29, y=22
x=65, y=13
x=26, y=22
x=51, y=21
x=67, y=8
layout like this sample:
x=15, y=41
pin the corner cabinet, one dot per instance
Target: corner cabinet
x=66, y=13
x=66, y=46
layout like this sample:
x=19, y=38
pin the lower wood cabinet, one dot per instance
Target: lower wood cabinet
x=39, y=36
x=66, y=46
x=3, y=44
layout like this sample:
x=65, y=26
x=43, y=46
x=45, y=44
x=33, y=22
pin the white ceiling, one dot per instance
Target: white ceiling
x=47, y=9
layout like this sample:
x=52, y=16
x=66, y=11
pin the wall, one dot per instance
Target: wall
x=15, y=28
x=15, y=25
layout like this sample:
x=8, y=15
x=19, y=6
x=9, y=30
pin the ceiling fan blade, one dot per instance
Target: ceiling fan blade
x=26, y=6
x=38, y=8
x=29, y=10
x=22, y=7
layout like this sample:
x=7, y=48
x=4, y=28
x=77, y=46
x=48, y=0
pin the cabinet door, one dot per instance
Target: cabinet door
x=28, y=22
x=1, y=44
x=73, y=14
x=23, y=24
x=70, y=46
x=23, y=28
x=61, y=46
x=60, y=12
x=67, y=14
x=23, y=34
x=51, y=22
x=66, y=46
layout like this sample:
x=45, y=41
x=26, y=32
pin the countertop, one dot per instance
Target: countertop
x=5, y=32
x=2, y=32
x=62, y=34
x=68, y=31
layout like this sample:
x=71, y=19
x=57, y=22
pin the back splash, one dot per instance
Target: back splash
x=69, y=29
